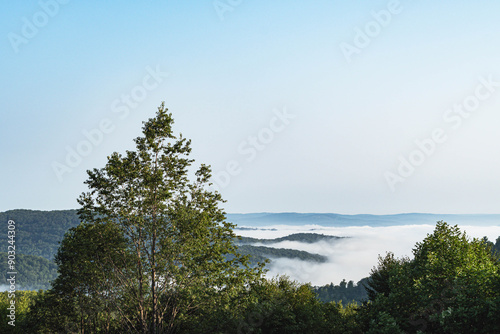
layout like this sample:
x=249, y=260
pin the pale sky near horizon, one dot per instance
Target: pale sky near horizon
x=328, y=106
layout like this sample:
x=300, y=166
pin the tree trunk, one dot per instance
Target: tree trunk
x=153, y=280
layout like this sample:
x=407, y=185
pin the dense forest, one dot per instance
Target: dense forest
x=34, y=272
x=39, y=232
x=495, y=247
x=345, y=292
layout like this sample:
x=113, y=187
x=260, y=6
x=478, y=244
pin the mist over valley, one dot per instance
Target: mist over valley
x=360, y=239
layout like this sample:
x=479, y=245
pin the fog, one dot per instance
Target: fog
x=4, y=287
x=353, y=257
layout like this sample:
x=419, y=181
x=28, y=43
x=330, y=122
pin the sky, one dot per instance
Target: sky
x=328, y=106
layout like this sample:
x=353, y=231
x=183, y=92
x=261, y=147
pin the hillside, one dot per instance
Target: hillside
x=260, y=253
x=34, y=272
x=39, y=232
x=299, y=237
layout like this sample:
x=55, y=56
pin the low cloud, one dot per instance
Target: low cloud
x=353, y=257
x=4, y=287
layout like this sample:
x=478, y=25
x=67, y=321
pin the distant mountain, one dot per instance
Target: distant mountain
x=308, y=238
x=258, y=253
x=252, y=220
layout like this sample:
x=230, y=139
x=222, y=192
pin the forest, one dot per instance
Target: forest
x=151, y=251
x=34, y=272
x=38, y=232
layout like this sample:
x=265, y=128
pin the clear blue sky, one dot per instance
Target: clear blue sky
x=325, y=106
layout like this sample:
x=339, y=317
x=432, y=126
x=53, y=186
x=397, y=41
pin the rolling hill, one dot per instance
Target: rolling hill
x=252, y=220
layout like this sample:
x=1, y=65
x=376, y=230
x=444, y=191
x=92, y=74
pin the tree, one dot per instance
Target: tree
x=495, y=247
x=15, y=320
x=378, y=282
x=450, y=286
x=175, y=236
x=50, y=314
x=282, y=306
x=86, y=257
x=457, y=279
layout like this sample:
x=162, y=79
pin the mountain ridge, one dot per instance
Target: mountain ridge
x=341, y=220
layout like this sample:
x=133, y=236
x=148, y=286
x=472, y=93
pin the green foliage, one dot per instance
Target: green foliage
x=153, y=247
x=283, y=306
x=345, y=292
x=451, y=286
x=33, y=272
x=495, y=247
x=378, y=283
x=23, y=303
x=38, y=233
x=383, y=323
x=340, y=319
x=88, y=253
x=50, y=314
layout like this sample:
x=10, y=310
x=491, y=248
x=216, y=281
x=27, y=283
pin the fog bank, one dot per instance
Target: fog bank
x=353, y=257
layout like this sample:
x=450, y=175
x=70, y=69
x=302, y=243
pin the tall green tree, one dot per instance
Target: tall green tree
x=177, y=238
x=450, y=286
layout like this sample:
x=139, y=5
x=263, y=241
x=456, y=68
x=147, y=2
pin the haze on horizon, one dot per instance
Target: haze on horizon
x=377, y=107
